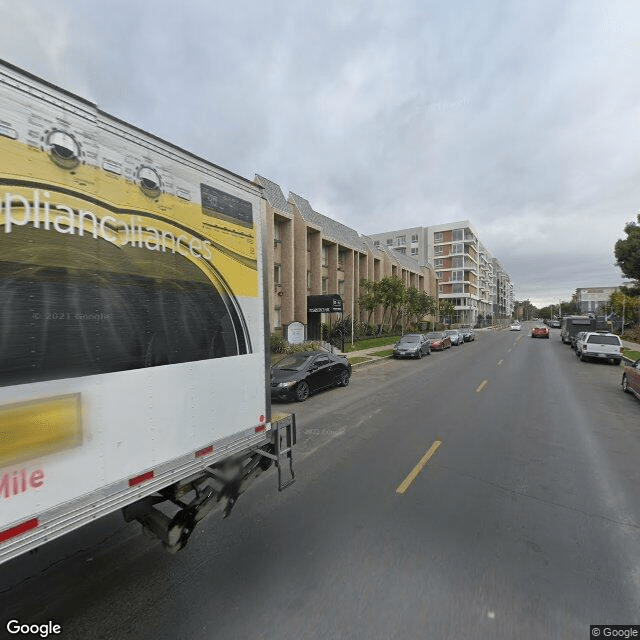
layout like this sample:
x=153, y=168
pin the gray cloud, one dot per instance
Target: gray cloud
x=519, y=116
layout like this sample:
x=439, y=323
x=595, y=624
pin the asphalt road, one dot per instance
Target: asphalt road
x=523, y=523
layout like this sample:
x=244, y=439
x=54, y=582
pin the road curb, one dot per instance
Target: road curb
x=367, y=363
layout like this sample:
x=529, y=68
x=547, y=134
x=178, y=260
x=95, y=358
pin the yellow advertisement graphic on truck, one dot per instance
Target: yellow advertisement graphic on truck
x=133, y=351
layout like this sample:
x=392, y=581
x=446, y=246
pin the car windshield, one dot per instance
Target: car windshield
x=294, y=362
x=434, y=336
x=409, y=339
x=451, y=332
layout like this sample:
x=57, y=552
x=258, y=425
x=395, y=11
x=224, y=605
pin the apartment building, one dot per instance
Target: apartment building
x=313, y=254
x=468, y=275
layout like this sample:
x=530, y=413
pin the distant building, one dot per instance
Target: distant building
x=590, y=299
x=467, y=273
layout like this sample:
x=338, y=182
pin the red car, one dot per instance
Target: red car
x=439, y=340
x=540, y=332
x=631, y=379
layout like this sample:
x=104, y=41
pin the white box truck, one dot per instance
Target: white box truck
x=134, y=349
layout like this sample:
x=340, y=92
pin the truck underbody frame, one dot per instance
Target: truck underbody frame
x=172, y=513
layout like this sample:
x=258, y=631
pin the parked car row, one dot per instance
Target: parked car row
x=603, y=346
x=299, y=375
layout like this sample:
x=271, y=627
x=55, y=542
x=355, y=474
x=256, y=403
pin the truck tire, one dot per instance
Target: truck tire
x=302, y=391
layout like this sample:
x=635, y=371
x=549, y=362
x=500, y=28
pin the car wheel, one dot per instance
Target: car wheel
x=302, y=391
x=343, y=378
x=616, y=362
x=625, y=384
x=582, y=357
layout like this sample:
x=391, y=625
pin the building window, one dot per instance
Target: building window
x=414, y=251
x=277, y=317
x=439, y=275
x=438, y=250
x=325, y=255
x=438, y=263
x=277, y=275
x=457, y=248
x=325, y=285
x=437, y=237
x=401, y=241
x=458, y=288
x=308, y=281
x=458, y=235
x=277, y=232
x=341, y=287
x=402, y=250
x=376, y=243
x=457, y=262
x=457, y=276
x=414, y=237
x=389, y=242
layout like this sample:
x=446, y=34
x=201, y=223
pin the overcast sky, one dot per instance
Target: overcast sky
x=523, y=117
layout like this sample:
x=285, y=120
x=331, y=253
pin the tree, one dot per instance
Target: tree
x=447, y=309
x=392, y=292
x=370, y=298
x=624, y=305
x=418, y=304
x=627, y=251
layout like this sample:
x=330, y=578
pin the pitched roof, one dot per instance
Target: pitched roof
x=331, y=229
x=273, y=194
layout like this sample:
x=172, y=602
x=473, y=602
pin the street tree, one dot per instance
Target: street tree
x=627, y=253
x=446, y=309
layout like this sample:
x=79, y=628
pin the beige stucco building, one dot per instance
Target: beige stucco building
x=313, y=254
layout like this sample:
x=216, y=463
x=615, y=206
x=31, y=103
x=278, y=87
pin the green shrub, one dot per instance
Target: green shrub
x=278, y=344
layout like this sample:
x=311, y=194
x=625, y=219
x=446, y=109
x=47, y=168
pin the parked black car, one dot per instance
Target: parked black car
x=412, y=345
x=298, y=375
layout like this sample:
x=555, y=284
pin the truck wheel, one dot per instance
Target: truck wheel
x=302, y=391
x=625, y=383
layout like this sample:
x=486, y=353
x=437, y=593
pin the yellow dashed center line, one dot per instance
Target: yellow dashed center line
x=481, y=386
x=406, y=483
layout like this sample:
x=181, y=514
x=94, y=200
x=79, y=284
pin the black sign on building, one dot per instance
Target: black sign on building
x=317, y=305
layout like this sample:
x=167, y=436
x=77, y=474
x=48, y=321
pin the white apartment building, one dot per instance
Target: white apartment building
x=467, y=273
